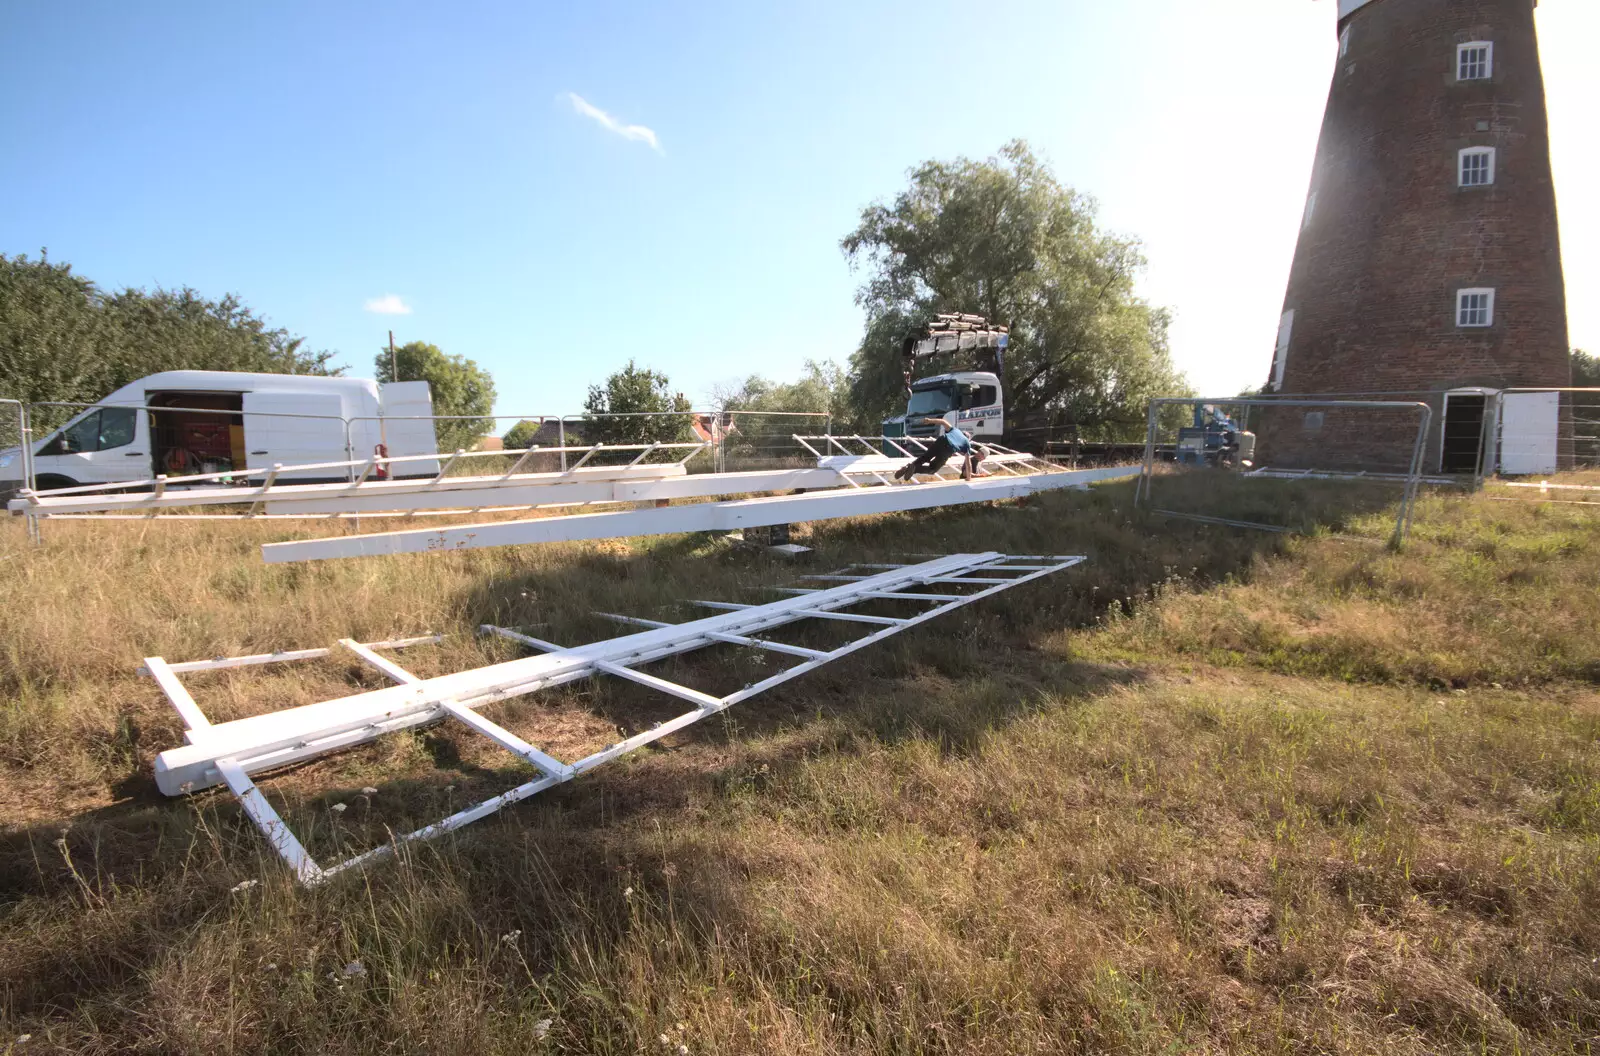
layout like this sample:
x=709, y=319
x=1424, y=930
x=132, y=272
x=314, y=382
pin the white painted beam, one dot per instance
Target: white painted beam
x=518, y=636
x=545, y=764
x=268, y=821
x=515, y=493
x=283, y=656
x=699, y=517
x=193, y=718
x=394, y=671
x=694, y=696
x=375, y=490
x=762, y=643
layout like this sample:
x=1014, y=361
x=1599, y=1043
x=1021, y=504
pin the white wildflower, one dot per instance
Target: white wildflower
x=354, y=969
x=272, y=967
x=542, y=1028
x=339, y=808
x=665, y=1040
x=683, y=1050
x=511, y=936
x=23, y=1039
x=244, y=885
x=627, y=892
x=369, y=791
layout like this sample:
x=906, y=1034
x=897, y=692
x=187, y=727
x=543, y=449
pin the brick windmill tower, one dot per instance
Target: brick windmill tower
x=1428, y=257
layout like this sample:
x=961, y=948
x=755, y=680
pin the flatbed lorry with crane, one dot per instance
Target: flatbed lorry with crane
x=976, y=397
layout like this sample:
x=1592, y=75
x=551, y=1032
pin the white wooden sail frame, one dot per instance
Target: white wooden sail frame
x=228, y=753
x=257, y=494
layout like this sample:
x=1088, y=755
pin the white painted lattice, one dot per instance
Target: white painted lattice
x=228, y=753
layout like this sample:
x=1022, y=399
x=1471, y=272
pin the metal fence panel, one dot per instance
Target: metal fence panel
x=1315, y=457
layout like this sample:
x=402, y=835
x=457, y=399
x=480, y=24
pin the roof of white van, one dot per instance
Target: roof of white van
x=238, y=381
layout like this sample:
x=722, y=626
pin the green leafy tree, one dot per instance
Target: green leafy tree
x=460, y=388
x=822, y=388
x=181, y=330
x=1002, y=238
x=53, y=334
x=660, y=415
x=521, y=436
x=1585, y=370
x=63, y=339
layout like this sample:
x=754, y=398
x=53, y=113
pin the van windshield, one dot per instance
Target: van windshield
x=932, y=401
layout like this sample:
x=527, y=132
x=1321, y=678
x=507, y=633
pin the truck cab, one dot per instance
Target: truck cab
x=974, y=397
x=185, y=422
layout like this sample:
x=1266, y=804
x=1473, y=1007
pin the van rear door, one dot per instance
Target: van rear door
x=292, y=428
x=408, y=426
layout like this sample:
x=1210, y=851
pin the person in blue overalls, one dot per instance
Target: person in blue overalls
x=951, y=441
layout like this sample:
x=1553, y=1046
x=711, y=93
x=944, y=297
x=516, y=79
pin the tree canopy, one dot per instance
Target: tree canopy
x=822, y=388
x=459, y=386
x=521, y=436
x=639, y=391
x=1585, y=370
x=1002, y=238
x=63, y=339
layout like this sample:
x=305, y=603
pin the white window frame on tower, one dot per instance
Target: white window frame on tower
x=1344, y=42
x=1477, y=175
x=1466, y=60
x=1473, y=313
x=1311, y=210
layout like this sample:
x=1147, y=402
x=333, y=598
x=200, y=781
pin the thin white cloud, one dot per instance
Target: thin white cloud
x=637, y=133
x=388, y=304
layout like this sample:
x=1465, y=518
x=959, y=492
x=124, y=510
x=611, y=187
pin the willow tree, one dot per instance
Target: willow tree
x=1002, y=238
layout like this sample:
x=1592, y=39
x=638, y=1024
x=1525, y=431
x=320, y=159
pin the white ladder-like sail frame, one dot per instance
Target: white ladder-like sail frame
x=363, y=495
x=842, y=462
x=228, y=753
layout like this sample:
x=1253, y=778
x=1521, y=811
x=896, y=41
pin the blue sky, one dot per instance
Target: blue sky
x=325, y=160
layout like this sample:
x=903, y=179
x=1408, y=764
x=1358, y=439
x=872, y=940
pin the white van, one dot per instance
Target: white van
x=183, y=422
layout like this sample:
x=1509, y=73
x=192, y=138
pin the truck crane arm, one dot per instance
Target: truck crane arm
x=955, y=332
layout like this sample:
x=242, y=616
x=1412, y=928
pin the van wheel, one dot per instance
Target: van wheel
x=52, y=481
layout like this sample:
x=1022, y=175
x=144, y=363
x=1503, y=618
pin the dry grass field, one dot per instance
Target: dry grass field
x=1214, y=790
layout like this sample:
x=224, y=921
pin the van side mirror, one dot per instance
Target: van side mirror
x=966, y=397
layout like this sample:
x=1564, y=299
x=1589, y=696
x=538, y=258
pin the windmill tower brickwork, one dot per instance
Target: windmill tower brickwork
x=1428, y=256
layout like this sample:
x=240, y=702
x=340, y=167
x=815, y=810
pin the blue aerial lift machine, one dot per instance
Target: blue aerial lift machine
x=1215, y=439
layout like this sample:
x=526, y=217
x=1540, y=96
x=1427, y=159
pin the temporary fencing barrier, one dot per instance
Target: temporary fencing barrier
x=1362, y=444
